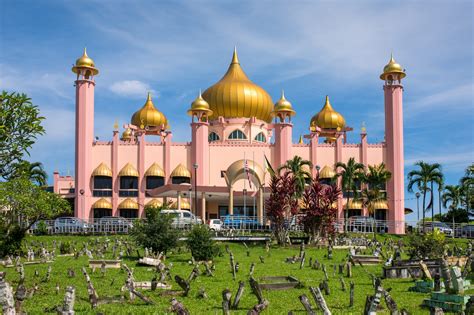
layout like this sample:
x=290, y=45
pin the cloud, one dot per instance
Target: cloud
x=132, y=88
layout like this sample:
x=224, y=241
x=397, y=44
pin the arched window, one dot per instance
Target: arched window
x=213, y=137
x=260, y=137
x=237, y=135
x=102, y=186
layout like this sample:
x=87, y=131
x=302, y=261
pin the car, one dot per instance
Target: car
x=182, y=218
x=440, y=226
x=38, y=226
x=215, y=224
x=467, y=231
x=70, y=225
x=113, y=224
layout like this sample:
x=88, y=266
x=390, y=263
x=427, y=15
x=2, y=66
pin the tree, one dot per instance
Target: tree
x=20, y=125
x=301, y=170
x=33, y=171
x=453, y=195
x=369, y=198
x=281, y=204
x=467, y=188
x=156, y=231
x=424, y=178
x=320, y=209
x=22, y=204
x=377, y=176
x=350, y=174
x=201, y=244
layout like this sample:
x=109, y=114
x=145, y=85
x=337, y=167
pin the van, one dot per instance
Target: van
x=182, y=218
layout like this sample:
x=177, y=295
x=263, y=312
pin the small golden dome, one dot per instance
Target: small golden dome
x=381, y=205
x=327, y=118
x=181, y=171
x=354, y=204
x=327, y=172
x=129, y=170
x=392, y=67
x=148, y=115
x=85, y=62
x=128, y=204
x=127, y=134
x=102, y=170
x=155, y=170
x=155, y=203
x=102, y=203
x=199, y=105
x=236, y=96
x=184, y=204
x=283, y=105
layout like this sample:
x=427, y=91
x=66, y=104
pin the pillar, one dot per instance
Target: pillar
x=338, y=158
x=167, y=156
x=203, y=207
x=141, y=174
x=260, y=205
x=314, y=151
x=231, y=200
x=363, y=159
x=115, y=179
x=200, y=151
x=283, y=143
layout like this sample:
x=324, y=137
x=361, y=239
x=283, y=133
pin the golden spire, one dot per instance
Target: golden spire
x=199, y=105
x=301, y=140
x=235, y=58
x=115, y=125
x=85, y=62
x=283, y=105
x=392, y=67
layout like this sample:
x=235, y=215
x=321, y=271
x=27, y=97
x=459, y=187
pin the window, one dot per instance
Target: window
x=237, y=135
x=128, y=186
x=213, y=137
x=260, y=137
x=153, y=182
x=180, y=180
x=99, y=213
x=102, y=186
x=129, y=213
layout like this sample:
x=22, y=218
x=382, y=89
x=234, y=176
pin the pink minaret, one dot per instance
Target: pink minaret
x=393, y=90
x=283, y=129
x=85, y=70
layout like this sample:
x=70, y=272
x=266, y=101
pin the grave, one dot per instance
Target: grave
x=109, y=264
x=278, y=283
x=365, y=259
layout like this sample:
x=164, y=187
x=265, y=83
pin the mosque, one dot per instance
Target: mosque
x=235, y=129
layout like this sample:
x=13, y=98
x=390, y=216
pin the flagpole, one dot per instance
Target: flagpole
x=245, y=186
x=253, y=168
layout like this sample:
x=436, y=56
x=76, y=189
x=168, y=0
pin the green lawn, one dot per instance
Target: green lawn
x=281, y=302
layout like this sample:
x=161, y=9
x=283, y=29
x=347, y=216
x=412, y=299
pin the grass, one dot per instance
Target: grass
x=281, y=302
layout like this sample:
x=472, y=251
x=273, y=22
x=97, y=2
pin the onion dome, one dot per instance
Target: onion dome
x=355, y=204
x=199, y=105
x=128, y=204
x=181, y=171
x=102, y=203
x=283, y=105
x=102, y=170
x=127, y=134
x=327, y=172
x=392, y=67
x=129, y=170
x=154, y=203
x=155, y=170
x=85, y=62
x=236, y=96
x=149, y=116
x=381, y=205
x=185, y=205
x=327, y=118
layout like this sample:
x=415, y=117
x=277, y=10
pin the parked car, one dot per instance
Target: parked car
x=440, y=226
x=35, y=228
x=70, y=225
x=113, y=224
x=467, y=231
x=182, y=218
x=215, y=224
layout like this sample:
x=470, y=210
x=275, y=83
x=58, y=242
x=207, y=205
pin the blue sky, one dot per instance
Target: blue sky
x=307, y=48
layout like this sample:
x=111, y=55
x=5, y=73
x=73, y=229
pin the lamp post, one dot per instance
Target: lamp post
x=418, y=206
x=195, y=189
x=245, y=200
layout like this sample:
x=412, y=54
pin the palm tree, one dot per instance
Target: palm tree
x=33, y=171
x=467, y=187
x=301, y=170
x=350, y=174
x=369, y=198
x=424, y=178
x=452, y=194
x=377, y=176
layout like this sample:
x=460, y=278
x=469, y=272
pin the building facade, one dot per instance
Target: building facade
x=235, y=129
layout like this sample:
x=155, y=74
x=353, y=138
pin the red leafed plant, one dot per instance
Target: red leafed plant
x=321, y=209
x=282, y=204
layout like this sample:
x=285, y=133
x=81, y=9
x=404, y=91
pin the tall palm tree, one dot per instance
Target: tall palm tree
x=452, y=194
x=301, y=170
x=424, y=178
x=377, y=176
x=369, y=198
x=350, y=173
x=467, y=188
x=33, y=171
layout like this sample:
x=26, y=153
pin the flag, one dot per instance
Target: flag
x=268, y=166
x=246, y=168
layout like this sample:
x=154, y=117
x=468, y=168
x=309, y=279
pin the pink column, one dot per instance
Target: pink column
x=338, y=158
x=283, y=143
x=55, y=182
x=363, y=159
x=314, y=151
x=167, y=157
x=141, y=172
x=84, y=143
x=200, y=151
x=115, y=180
x=394, y=156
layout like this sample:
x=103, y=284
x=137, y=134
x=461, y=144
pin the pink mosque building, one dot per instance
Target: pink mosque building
x=234, y=125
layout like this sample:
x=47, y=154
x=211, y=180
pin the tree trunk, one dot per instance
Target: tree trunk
x=423, y=210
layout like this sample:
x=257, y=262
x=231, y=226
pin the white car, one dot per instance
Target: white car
x=182, y=218
x=215, y=224
x=441, y=226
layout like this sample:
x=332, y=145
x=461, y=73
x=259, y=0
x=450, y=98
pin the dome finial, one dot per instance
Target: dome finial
x=301, y=140
x=85, y=51
x=283, y=94
x=235, y=58
x=148, y=98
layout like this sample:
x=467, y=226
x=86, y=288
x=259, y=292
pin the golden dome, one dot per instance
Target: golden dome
x=327, y=118
x=392, y=67
x=102, y=203
x=283, y=105
x=155, y=203
x=148, y=115
x=127, y=134
x=381, y=204
x=327, y=172
x=102, y=170
x=354, y=204
x=128, y=204
x=85, y=62
x=155, y=170
x=181, y=171
x=129, y=170
x=184, y=204
x=200, y=105
x=236, y=96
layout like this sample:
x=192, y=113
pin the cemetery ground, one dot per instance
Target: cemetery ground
x=274, y=263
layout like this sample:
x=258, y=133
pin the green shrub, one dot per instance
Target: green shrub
x=201, y=244
x=65, y=247
x=41, y=228
x=429, y=245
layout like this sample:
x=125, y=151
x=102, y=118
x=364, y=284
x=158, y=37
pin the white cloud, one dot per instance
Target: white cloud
x=132, y=88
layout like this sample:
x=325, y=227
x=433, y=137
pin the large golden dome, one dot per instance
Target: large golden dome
x=148, y=115
x=392, y=67
x=328, y=118
x=236, y=96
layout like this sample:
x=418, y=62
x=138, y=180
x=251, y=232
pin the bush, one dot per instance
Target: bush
x=65, y=248
x=156, y=231
x=41, y=228
x=201, y=244
x=429, y=245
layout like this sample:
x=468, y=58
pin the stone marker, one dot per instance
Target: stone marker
x=307, y=305
x=69, y=300
x=178, y=308
x=238, y=295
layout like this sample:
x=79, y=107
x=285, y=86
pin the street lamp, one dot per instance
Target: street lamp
x=195, y=189
x=418, y=208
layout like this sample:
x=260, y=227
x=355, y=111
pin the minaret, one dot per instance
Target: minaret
x=85, y=70
x=283, y=111
x=392, y=75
